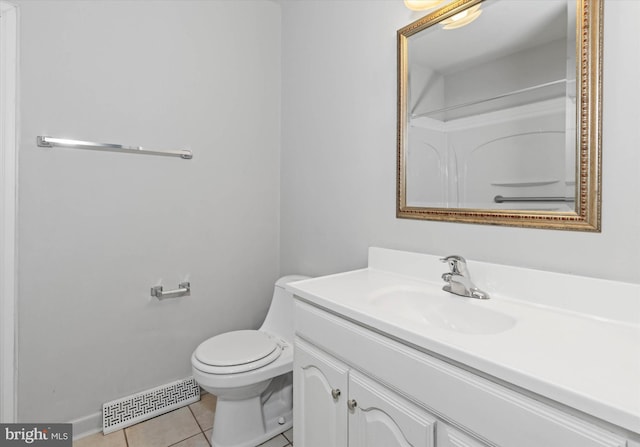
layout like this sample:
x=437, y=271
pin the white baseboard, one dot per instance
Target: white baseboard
x=87, y=425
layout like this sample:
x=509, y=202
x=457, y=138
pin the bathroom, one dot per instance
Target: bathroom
x=290, y=110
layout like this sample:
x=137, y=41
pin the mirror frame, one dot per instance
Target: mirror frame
x=587, y=213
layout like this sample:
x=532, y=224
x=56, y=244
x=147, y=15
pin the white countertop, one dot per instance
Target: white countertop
x=585, y=361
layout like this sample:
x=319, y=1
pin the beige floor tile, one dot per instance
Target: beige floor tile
x=163, y=431
x=278, y=441
x=208, y=434
x=289, y=434
x=115, y=439
x=204, y=410
x=194, y=441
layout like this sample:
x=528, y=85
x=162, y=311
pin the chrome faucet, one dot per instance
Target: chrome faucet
x=458, y=279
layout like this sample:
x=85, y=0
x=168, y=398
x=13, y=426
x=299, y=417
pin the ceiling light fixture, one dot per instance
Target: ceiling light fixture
x=462, y=18
x=421, y=5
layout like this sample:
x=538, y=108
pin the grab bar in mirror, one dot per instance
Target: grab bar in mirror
x=64, y=142
x=184, y=289
x=501, y=199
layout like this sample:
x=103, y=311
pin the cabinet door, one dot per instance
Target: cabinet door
x=447, y=436
x=321, y=389
x=380, y=418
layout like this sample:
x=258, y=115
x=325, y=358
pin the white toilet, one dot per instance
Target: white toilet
x=250, y=373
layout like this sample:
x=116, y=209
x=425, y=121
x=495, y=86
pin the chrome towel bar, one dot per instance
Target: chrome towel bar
x=184, y=289
x=500, y=199
x=64, y=142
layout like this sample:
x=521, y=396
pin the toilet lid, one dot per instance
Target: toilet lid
x=237, y=348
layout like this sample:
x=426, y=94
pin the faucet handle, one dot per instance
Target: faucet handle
x=456, y=263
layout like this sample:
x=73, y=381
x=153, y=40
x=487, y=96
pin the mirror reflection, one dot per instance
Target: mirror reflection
x=491, y=108
x=499, y=114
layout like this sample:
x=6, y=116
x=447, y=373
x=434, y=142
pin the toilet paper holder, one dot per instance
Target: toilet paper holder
x=184, y=289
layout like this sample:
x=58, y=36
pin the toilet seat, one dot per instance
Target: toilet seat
x=236, y=352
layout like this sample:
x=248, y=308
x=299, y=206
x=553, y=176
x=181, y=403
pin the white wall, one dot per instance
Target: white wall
x=339, y=152
x=533, y=66
x=97, y=230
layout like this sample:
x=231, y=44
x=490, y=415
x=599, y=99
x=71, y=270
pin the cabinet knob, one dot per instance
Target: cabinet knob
x=335, y=393
x=352, y=404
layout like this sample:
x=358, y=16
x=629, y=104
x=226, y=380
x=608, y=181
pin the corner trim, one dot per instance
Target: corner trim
x=8, y=206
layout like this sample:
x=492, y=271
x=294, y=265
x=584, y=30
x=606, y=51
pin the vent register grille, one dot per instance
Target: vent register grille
x=139, y=407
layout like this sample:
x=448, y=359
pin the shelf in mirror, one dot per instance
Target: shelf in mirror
x=524, y=183
x=516, y=98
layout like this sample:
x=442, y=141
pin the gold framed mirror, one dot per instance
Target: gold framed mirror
x=499, y=114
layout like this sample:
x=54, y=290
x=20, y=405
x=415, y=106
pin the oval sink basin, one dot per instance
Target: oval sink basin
x=449, y=312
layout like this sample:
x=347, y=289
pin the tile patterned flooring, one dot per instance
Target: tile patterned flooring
x=185, y=427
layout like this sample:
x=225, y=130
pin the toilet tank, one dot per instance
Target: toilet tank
x=279, y=320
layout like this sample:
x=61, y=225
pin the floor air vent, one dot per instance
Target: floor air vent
x=139, y=407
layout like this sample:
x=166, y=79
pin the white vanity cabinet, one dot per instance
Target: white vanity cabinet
x=356, y=387
x=337, y=406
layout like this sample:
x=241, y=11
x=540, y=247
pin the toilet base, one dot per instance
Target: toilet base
x=250, y=422
x=275, y=431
